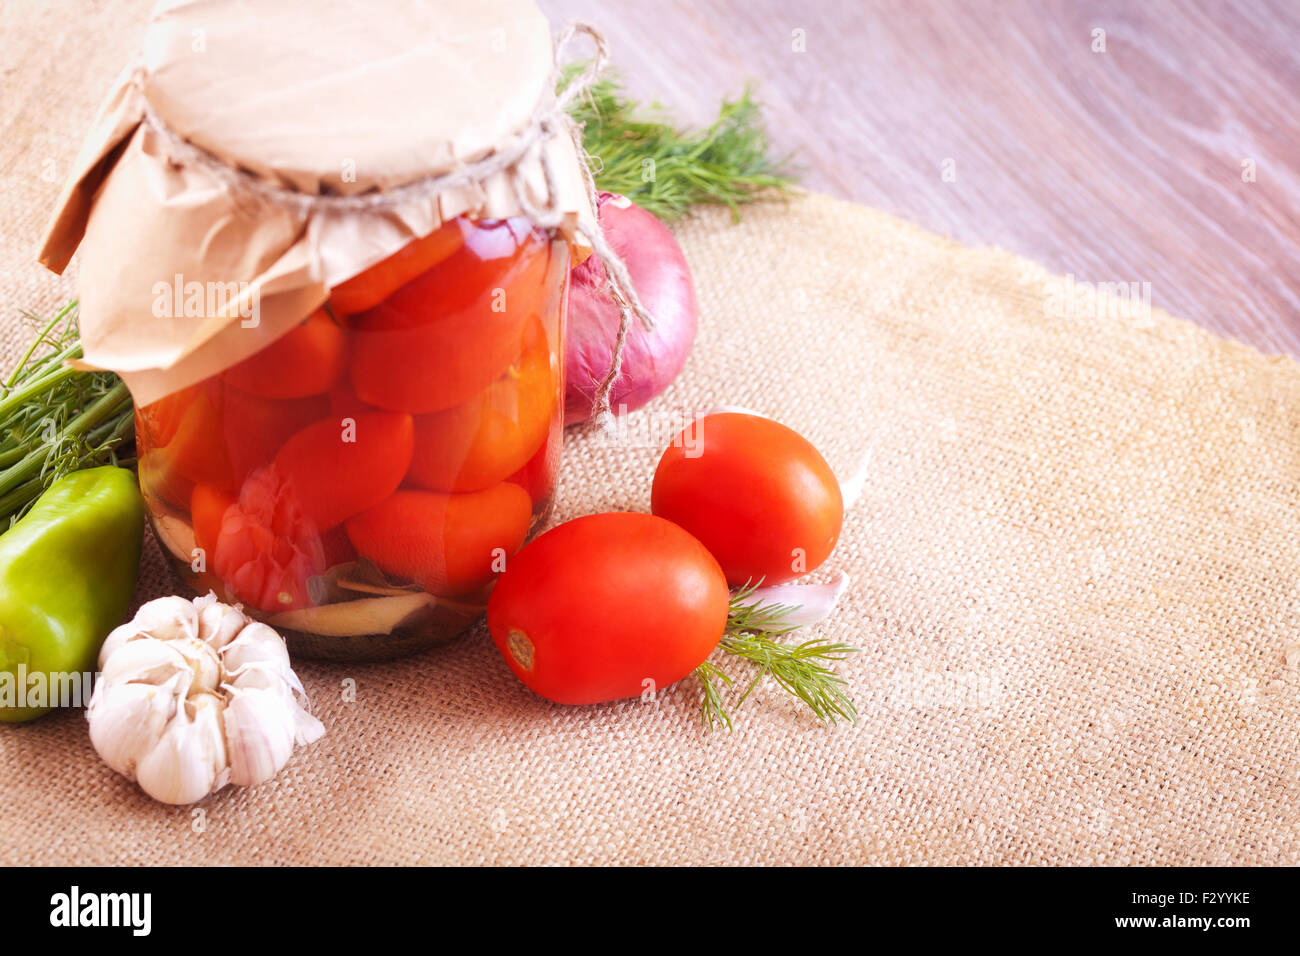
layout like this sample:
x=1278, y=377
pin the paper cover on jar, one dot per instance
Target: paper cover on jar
x=183, y=272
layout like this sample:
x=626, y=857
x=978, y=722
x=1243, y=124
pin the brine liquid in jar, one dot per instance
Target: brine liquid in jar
x=372, y=471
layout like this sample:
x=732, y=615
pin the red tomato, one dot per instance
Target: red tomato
x=758, y=494
x=336, y=468
x=602, y=607
x=478, y=443
x=306, y=360
x=367, y=290
x=155, y=428
x=221, y=435
x=451, y=332
x=208, y=507
x=539, y=475
x=447, y=544
x=254, y=429
x=197, y=451
x=159, y=420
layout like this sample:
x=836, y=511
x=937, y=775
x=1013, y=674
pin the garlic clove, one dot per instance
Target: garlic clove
x=128, y=719
x=218, y=623
x=851, y=489
x=307, y=728
x=145, y=660
x=185, y=763
x=167, y=618
x=258, y=675
x=116, y=638
x=260, y=730
x=203, y=662
x=809, y=603
x=268, y=675
x=256, y=644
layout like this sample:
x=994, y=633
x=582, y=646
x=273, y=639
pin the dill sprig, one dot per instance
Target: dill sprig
x=800, y=669
x=714, y=711
x=54, y=419
x=639, y=152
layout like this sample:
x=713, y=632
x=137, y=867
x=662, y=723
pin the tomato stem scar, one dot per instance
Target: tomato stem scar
x=521, y=648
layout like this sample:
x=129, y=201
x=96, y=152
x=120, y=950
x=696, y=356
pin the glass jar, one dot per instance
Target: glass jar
x=361, y=482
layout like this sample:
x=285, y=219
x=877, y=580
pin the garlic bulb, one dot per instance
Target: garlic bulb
x=193, y=695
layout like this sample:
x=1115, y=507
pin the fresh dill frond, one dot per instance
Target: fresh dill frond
x=803, y=670
x=714, y=711
x=639, y=152
x=54, y=419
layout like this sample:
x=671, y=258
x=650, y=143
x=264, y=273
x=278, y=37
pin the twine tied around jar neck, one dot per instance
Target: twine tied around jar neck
x=551, y=118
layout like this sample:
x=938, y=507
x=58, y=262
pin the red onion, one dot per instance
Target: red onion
x=651, y=359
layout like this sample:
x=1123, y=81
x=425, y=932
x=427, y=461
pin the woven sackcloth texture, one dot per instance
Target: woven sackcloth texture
x=1075, y=566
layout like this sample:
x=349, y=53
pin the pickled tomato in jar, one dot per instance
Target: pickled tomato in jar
x=373, y=469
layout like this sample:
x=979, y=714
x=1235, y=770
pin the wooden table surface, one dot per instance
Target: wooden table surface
x=1124, y=164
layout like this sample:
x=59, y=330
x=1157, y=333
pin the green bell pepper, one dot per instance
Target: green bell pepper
x=67, y=574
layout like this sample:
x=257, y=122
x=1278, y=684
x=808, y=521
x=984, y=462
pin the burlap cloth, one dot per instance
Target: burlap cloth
x=1075, y=568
